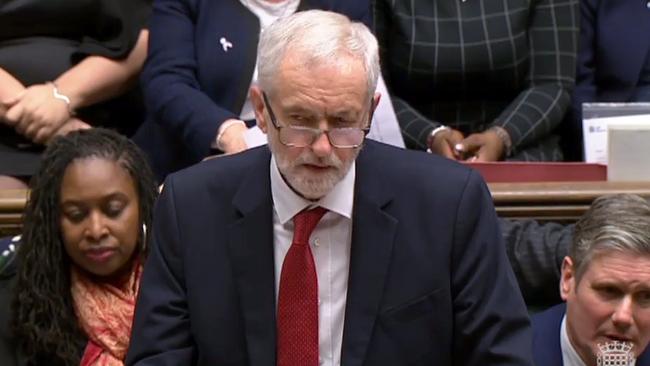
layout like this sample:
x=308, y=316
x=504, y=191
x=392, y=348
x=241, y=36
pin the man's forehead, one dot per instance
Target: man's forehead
x=299, y=62
x=294, y=105
x=613, y=265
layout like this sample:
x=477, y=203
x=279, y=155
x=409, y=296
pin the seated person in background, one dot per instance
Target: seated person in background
x=66, y=66
x=68, y=297
x=479, y=80
x=605, y=282
x=200, y=66
x=407, y=260
x=613, y=61
x=536, y=251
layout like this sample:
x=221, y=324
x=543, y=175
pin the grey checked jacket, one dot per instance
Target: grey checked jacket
x=472, y=64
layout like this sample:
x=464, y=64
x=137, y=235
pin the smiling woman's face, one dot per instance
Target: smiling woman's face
x=99, y=216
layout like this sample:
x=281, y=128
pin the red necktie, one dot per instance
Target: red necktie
x=298, y=297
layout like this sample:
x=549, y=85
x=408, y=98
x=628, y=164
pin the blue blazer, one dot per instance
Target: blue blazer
x=613, y=48
x=429, y=280
x=546, y=338
x=191, y=85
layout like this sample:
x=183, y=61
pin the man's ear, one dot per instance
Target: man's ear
x=567, y=278
x=375, y=101
x=259, y=107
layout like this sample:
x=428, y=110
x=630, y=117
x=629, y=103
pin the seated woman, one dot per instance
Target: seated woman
x=63, y=67
x=480, y=80
x=201, y=63
x=67, y=298
x=613, y=61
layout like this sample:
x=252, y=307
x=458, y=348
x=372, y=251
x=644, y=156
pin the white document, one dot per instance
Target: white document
x=254, y=137
x=595, y=134
x=628, y=153
x=385, y=127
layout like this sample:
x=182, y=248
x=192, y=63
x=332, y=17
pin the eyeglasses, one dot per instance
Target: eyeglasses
x=301, y=136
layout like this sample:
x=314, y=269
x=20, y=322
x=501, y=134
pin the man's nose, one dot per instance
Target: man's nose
x=322, y=146
x=623, y=313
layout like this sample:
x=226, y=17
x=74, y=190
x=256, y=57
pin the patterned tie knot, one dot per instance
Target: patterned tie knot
x=305, y=222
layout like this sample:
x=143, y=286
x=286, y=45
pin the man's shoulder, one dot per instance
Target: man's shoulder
x=549, y=317
x=223, y=170
x=413, y=167
x=546, y=335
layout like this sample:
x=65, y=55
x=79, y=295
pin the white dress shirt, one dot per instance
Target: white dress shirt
x=569, y=355
x=330, y=245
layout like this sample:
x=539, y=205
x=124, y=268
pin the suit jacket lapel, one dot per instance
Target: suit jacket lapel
x=373, y=234
x=251, y=248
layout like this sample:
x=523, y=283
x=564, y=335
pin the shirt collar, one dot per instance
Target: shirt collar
x=288, y=203
x=569, y=355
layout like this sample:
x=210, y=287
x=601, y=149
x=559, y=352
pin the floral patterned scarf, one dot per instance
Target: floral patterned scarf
x=105, y=314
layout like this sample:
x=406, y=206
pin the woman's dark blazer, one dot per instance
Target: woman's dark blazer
x=614, y=47
x=192, y=83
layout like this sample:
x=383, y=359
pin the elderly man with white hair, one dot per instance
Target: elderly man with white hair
x=326, y=248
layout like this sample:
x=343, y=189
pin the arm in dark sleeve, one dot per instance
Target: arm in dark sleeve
x=161, y=325
x=490, y=318
x=414, y=126
x=541, y=106
x=536, y=252
x=172, y=91
x=115, y=29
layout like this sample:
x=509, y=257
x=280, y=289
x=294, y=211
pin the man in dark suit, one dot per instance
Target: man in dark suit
x=613, y=60
x=405, y=265
x=605, y=282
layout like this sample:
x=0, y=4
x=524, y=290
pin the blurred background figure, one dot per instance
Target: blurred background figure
x=605, y=283
x=200, y=66
x=536, y=250
x=480, y=80
x=613, y=61
x=67, y=298
x=66, y=66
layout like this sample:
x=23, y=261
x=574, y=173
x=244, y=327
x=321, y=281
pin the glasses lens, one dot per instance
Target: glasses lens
x=297, y=136
x=346, y=137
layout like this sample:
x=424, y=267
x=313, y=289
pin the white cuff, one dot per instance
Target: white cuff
x=222, y=129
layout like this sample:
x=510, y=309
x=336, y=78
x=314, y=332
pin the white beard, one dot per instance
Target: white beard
x=309, y=185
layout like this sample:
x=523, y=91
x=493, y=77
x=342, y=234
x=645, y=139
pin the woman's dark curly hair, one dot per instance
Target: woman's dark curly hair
x=43, y=318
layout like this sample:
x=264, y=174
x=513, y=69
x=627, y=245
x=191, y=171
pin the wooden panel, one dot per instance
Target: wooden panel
x=12, y=203
x=558, y=201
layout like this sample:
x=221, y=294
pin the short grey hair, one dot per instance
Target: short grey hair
x=618, y=222
x=319, y=36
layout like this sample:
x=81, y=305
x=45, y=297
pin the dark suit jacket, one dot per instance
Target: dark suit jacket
x=429, y=280
x=611, y=55
x=546, y=338
x=191, y=84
